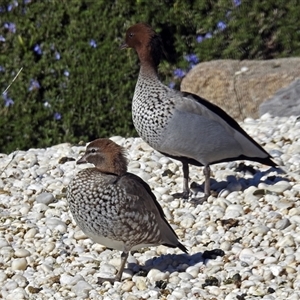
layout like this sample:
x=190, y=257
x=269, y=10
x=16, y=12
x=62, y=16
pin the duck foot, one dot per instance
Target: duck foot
x=118, y=277
x=199, y=201
x=190, y=198
x=112, y=280
x=183, y=195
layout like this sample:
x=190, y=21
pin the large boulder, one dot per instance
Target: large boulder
x=240, y=87
x=285, y=102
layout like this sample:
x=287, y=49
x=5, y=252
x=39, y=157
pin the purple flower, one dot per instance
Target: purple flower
x=192, y=58
x=27, y=1
x=237, y=2
x=179, y=73
x=2, y=69
x=93, y=43
x=199, y=38
x=11, y=6
x=10, y=26
x=221, y=25
x=66, y=73
x=37, y=49
x=34, y=85
x=57, y=55
x=171, y=85
x=208, y=35
x=7, y=100
x=57, y=116
x=2, y=38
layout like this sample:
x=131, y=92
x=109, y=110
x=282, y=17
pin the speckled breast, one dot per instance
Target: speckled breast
x=150, y=113
x=91, y=204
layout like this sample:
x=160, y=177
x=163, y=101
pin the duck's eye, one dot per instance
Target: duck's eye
x=93, y=150
x=131, y=35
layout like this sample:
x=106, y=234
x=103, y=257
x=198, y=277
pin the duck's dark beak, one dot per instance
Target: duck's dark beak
x=82, y=160
x=124, y=46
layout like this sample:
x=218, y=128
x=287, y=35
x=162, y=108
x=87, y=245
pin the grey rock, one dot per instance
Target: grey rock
x=45, y=198
x=282, y=224
x=285, y=102
x=239, y=87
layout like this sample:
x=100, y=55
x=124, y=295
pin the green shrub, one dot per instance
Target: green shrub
x=77, y=85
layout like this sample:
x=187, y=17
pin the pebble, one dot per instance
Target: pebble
x=247, y=256
x=282, y=224
x=127, y=286
x=66, y=279
x=19, y=264
x=45, y=198
x=131, y=297
x=283, y=204
x=270, y=260
x=21, y=253
x=295, y=219
x=260, y=229
x=187, y=221
x=276, y=270
x=286, y=241
x=3, y=276
x=277, y=188
x=82, y=289
x=193, y=271
x=225, y=246
x=3, y=243
x=178, y=293
x=20, y=280
x=254, y=219
x=55, y=223
x=294, y=211
x=141, y=284
x=156, y=275
x=233, y=211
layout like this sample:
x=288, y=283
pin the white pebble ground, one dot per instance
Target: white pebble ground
x=253, y=218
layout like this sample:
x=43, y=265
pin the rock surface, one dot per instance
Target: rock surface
x=240, y=87
x=286, y=102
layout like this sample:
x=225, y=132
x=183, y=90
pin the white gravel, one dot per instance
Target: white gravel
x=253, y=218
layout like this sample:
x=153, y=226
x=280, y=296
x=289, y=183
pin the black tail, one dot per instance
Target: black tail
x=179, y=245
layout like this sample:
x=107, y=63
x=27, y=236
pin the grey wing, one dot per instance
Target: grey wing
x=203, y=131
x=151, y=214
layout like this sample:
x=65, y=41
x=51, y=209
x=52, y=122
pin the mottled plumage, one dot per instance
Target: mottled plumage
x=116, y=208
x=181, y=125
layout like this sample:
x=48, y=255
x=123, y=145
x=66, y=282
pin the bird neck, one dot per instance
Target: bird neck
x=147, y=70
x=148, y=64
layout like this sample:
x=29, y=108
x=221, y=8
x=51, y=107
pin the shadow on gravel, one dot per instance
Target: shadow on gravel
x=176, y=262
x=232, y=183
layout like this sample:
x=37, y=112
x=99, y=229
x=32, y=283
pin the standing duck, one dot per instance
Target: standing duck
x=115, y=208
x=182, y=125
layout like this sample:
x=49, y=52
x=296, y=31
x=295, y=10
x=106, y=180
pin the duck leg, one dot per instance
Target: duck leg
x=206, y=173
x=118, y=277
x=186, y=191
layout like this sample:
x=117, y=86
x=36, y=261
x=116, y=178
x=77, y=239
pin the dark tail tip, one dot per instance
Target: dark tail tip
x=181, y=247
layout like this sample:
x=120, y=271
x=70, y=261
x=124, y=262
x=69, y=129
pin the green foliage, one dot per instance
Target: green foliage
x=73, y=68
